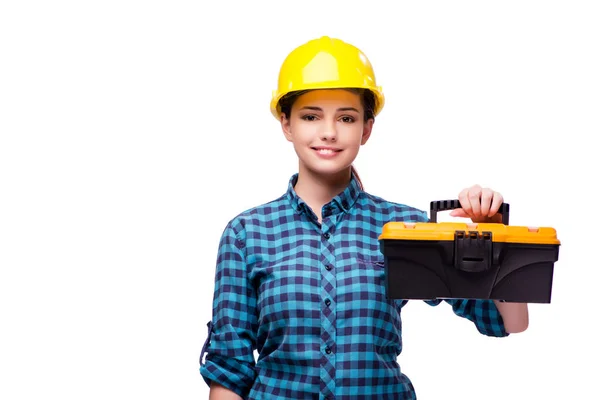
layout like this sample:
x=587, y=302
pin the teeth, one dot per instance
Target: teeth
x=325, y=151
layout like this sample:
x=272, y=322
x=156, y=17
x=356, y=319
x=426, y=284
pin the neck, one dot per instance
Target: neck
x=317, y=190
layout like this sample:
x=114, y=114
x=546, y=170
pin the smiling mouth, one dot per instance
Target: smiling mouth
x=325, y=151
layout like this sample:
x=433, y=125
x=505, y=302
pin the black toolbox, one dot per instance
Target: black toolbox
x=458, y=260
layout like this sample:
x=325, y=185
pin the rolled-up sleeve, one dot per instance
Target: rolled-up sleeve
x=229, y=347
x=483, y=313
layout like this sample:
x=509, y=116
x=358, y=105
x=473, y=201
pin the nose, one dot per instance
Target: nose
x=329, y=130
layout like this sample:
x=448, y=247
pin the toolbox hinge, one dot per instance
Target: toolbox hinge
x=472, y=251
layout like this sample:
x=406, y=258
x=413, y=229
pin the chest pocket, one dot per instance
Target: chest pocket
x=372, y=271
x=362, y=279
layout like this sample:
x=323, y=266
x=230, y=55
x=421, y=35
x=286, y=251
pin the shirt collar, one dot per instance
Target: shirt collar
x=342, y=202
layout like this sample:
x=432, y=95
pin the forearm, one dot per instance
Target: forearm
x=514, y=315
x=218, y=392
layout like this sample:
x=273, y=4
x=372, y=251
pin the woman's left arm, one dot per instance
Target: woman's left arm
x=514, y=315
x=482, y=205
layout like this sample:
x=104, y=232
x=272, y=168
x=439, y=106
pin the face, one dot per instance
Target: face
x=327, y=128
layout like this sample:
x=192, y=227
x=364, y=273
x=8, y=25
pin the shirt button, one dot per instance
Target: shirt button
x=327, y=302
x=328, y=267
x=327, y=350
x=326, y=235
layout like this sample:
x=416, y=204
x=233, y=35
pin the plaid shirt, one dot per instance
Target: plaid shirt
x=310, y=298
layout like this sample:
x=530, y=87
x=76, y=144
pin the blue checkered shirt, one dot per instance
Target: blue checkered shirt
x=310, y=298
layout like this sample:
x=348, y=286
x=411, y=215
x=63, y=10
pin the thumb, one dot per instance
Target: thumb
x=459, y=212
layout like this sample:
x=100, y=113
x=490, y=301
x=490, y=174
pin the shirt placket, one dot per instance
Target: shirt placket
x=328, y=301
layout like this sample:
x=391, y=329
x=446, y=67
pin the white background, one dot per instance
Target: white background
x=132, y=131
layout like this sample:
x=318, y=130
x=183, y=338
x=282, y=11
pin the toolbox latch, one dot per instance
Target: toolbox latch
x=472, y=251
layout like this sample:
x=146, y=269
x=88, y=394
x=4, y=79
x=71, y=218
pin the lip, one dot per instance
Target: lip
x=326, y=152
x=326, y=148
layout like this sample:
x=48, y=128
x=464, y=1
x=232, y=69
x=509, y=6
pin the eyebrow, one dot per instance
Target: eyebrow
x=320, y=109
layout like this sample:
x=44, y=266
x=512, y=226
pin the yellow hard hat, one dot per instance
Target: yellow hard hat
x=326, y=63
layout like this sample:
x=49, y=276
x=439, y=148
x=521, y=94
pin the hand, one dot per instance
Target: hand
x=479, y=204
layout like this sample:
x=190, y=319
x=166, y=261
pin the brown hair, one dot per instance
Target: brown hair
x=367, y=99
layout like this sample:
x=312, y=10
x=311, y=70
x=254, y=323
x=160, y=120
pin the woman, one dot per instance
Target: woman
x=300, y=279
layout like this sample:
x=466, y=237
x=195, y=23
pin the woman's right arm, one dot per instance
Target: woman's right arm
x=218, y=392
x=231, y=340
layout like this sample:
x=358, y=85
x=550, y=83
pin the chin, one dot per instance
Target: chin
x=327, y=169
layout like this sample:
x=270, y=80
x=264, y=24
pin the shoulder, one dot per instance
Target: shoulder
x=261, y=215
x=394, y=210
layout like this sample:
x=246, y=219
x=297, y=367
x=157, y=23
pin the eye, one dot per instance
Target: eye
x=347, y=119
x=309, y=117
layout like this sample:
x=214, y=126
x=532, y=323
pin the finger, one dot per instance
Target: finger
x=496, y=203
x=458, y=212
x=475, y=199
x=463, y=197
x=486, y=202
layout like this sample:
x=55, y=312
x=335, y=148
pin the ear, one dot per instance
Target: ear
x=286, y=127
x=367, y=128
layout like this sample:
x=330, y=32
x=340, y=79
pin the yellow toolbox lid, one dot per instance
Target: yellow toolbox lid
x=445, y=231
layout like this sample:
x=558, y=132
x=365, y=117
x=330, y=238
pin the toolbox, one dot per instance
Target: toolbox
x=460, y=260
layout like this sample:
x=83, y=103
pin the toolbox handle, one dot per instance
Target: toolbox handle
x=445, y=205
